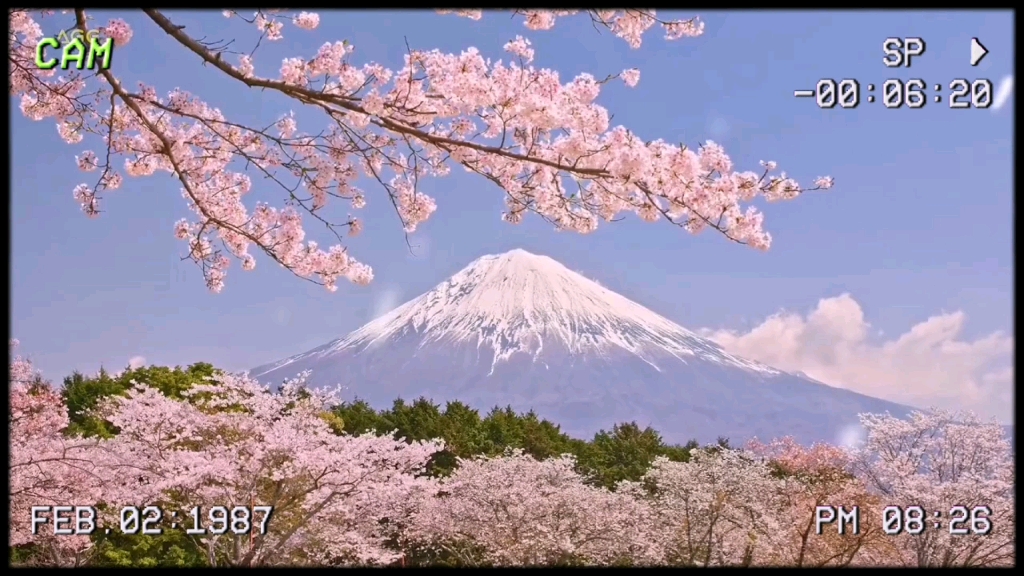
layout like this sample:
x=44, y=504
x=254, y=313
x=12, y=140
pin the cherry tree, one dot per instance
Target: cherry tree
x=809, y=477
x=715, y=509
x=514, y=510
x=46, y=469
x=235, y=444
x=948, y=463
x=543, y=142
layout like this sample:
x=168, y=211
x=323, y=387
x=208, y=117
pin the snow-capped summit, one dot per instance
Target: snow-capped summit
x=521, y=329
x=518, y=302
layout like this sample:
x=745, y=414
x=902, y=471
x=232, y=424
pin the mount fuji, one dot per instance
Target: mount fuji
x=523, y=330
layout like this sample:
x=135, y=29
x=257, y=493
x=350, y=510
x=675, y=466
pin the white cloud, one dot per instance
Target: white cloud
x=385, y=301
x=136, y=362
x=851, y=436
x=929, y=365
x=1003, y=92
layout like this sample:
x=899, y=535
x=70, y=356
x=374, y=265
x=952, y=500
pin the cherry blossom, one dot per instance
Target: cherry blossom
x=119, y=31
x=631, y=77
x=519, y=512
x=45, y=468
x=630, y=24
x=471, y=14
x=717, y=509
x=343, y=500
x=87, y=162
x=520, y=47
x=940, y=460
x=815, y=476
x=234, y=443
x=544, y=141
x=307, y=20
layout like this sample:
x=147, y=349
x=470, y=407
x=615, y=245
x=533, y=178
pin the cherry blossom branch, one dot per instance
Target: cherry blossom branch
x=544, y=143
x=450, y=145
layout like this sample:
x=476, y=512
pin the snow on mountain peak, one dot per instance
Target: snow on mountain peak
x=519, y=302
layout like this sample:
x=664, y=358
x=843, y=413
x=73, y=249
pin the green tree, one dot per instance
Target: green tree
x=420, y=420
x=82, y=394
x=623, y=453
x=505, y=429
x=173, y=548
x=461, y=429
x=359, y=418
x=626, y=453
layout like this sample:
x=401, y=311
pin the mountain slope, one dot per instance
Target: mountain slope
x=523, y=330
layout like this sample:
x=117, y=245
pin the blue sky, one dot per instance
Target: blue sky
x=918, y=226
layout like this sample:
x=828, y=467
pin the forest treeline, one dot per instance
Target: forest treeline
x=418, y=484
x=623, y=452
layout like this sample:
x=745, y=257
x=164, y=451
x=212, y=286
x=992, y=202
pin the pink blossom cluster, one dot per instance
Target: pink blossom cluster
x=45, y=467
x=939, y=460
x=525, y=512
x=629, y=25
x=542, y=140
x=631, y=77
x=234, y=442
x=119, y=31
x=341, y=499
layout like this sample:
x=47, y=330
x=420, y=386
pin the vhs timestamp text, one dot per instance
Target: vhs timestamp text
x=911, y=520
x=153, y=520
